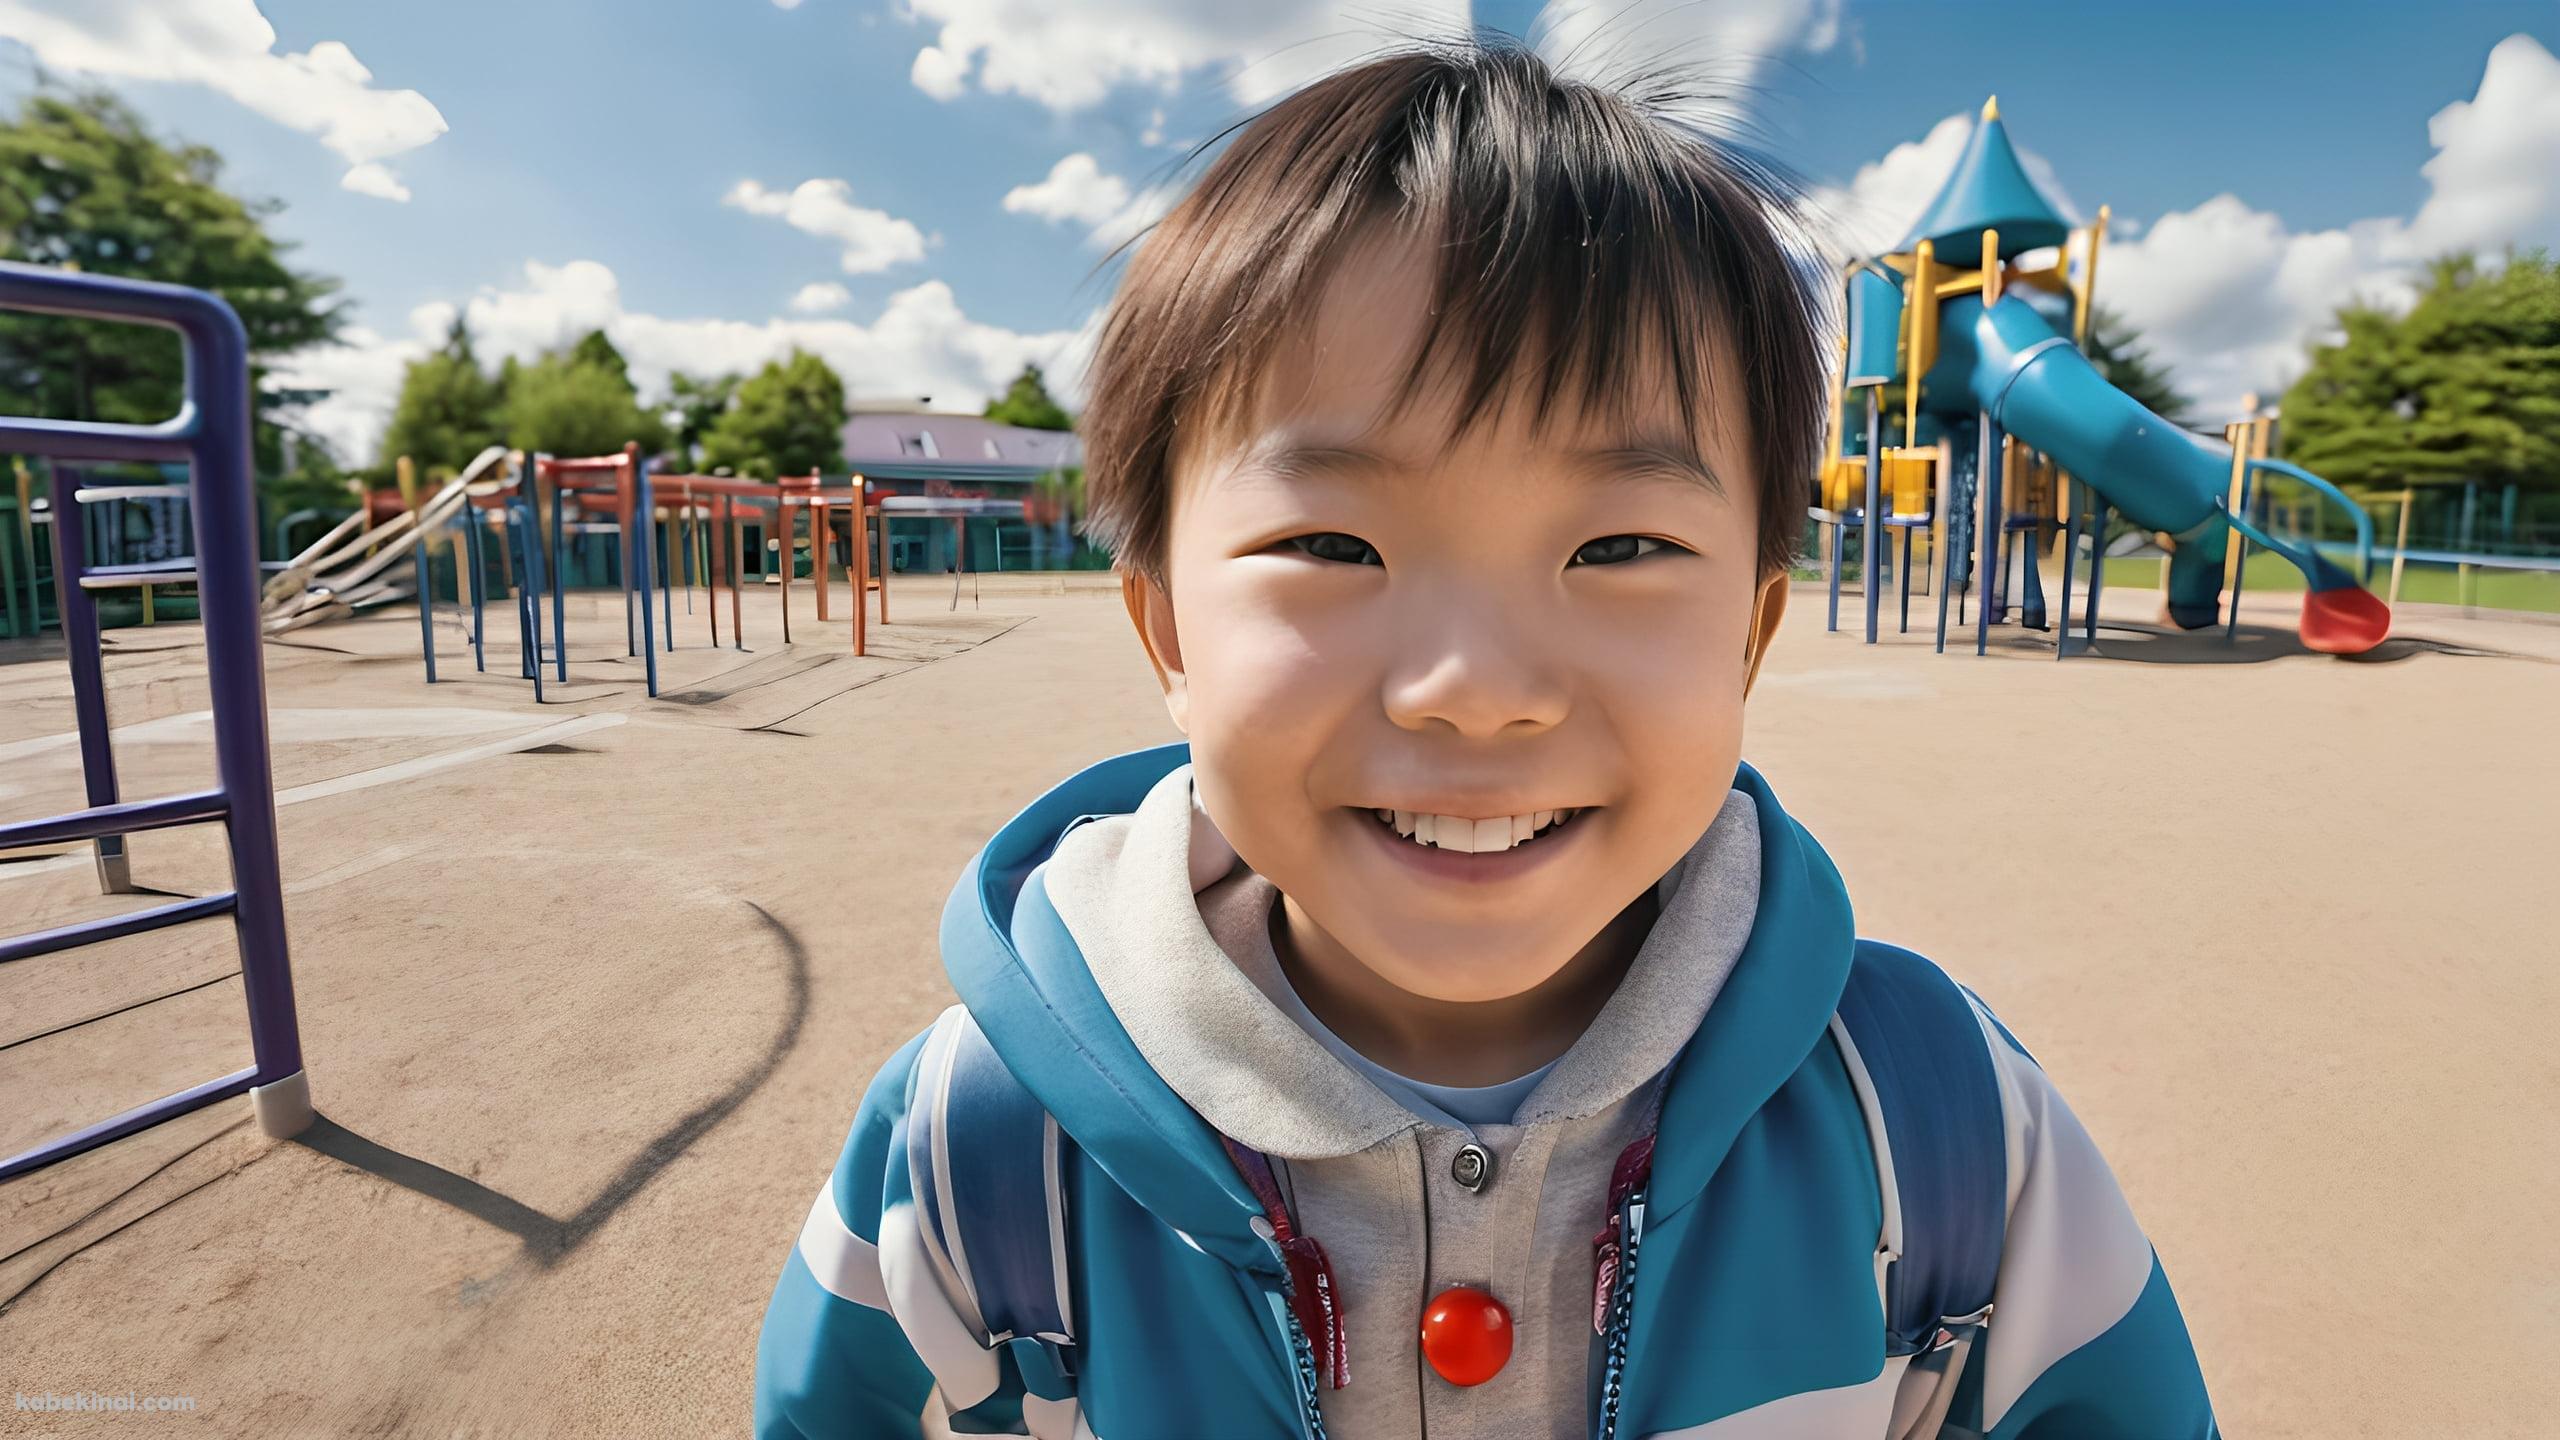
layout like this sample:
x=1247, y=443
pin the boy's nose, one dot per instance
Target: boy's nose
x=1479, y=681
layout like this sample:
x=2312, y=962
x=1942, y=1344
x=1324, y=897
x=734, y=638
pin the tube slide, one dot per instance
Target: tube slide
x=2035, y=384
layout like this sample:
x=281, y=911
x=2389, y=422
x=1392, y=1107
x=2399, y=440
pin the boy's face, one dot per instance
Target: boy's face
x=1372, y=614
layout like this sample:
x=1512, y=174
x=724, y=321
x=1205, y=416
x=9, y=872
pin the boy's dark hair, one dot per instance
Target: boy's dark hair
x=1570, y=221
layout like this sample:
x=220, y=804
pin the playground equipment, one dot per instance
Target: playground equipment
x=210, y=434
x=671, y=530
x=349, y=568
x=2008, y=429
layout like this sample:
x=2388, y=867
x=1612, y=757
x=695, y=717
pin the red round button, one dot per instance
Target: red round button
x=1466, y=1335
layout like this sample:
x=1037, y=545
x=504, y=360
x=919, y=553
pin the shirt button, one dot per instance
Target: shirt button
x=1472, y=1168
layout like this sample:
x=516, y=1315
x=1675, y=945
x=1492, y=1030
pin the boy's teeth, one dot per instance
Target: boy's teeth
x=1476, y=837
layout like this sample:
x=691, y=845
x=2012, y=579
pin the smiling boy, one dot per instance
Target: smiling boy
x=1452, y=1037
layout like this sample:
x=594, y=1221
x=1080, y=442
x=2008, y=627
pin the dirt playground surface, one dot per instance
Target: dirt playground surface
x=588, y=990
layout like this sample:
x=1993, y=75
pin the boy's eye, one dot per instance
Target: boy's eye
x=1334, y=545
x=1617, y=549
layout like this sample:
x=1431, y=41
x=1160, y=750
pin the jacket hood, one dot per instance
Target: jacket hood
x=1017, y=967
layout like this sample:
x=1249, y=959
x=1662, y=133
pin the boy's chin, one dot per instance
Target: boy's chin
x=1450, y=977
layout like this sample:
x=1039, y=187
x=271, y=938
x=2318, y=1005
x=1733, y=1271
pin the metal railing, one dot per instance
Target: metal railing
x=210, y=434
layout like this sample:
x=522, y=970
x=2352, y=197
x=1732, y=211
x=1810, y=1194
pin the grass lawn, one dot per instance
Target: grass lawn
x=2535, y=590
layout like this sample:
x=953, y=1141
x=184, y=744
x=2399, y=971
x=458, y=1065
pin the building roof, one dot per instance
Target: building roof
x=1988, y=189
x=931, y=444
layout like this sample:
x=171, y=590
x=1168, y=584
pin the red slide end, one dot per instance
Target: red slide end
x=2346, y=621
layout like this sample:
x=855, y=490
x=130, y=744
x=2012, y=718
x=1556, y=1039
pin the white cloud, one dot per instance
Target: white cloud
x=228, y=46
x=2230, y=296
x=1068, y=57
x=363, y=378
x=375, y=179
x=786, y=4
x=2226, y=294
x=1722, y=45
x=1884, y=199
x=921, y=342
x=1077, y=189
x=872, y=240
x=2496, y=171
x=822, y=296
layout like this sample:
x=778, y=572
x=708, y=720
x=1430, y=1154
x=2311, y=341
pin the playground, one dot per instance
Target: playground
x=477, y=1084
x=585, y=987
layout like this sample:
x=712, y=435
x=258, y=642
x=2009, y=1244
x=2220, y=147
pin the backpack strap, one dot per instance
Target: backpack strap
x=1923, y=1072
x=987, y=1163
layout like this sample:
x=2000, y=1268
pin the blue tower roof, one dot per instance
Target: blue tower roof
x=1988, y=189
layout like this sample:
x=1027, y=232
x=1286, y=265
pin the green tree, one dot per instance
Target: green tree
x=695, y=405
x=1026, y=403
x=2116, y=351
x=596, y=348
x=787, y=420
x=2464, y=386
x=84, y=184
x=448, y=408
x=563, y=405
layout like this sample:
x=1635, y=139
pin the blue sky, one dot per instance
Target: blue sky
x=680, y=172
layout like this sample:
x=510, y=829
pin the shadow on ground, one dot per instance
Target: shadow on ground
x=548, y=1238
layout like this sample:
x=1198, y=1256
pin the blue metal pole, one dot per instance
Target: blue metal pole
x=1988, y=542
x=554, y=576
x=426, y=602
x=479, y=586
x=661, y=562
x=78, y=611
x=1902, y=578
x=1875, y=503
x=643, y=550
x=1831, y=618
x=530, y=586
x=2097, y=561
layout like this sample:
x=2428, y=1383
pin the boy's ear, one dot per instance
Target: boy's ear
x=1151, y=611
x=1767, y=609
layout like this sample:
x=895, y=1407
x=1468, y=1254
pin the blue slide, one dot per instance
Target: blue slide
x=2009, y=362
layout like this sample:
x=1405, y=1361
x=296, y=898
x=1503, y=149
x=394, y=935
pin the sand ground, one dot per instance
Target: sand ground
x=587, y=991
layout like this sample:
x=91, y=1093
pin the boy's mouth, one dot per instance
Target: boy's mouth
x=1472, y=836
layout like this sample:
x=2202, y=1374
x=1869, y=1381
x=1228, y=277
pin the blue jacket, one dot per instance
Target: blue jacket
x=1757, y=1311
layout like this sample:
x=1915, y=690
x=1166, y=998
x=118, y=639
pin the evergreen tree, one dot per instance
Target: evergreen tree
x=596, y=348
x=788, y=419
x=1026, y=403
x=2463, y=387
x=448, y=409
x=2115, y=349
x=694, y=406
x=85, y=184
x=565, y=405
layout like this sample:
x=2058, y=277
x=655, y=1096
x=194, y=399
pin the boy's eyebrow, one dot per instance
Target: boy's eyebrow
x=1651, y=459
x=1643, y=459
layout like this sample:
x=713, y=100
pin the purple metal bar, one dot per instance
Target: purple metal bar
x=78, y=610
x=139, y=1118
x=211, y=433
x=115, y=927
x=134, y=815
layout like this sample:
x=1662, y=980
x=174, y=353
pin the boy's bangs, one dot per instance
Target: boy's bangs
x=1587, y=252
